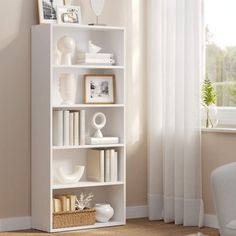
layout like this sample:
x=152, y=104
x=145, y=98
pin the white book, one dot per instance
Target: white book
x=116, y=166
x=71, y=128
x=104, y=140
x=66, y=128
x=82, y=127
x=107, y=166
x=95, y=55
x=113, y=165
x=76, y=128
x=58, y=128
x=95, y=165
x=96, y=61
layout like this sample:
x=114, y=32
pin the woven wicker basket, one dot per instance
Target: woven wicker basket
x=74, y=218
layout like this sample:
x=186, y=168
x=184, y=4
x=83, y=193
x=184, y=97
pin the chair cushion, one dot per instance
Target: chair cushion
x=231, y=225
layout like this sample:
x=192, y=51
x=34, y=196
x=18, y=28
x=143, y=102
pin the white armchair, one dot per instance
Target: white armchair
x=223, y=181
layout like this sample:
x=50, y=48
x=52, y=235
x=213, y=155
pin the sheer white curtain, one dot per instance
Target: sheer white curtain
x=175, y=45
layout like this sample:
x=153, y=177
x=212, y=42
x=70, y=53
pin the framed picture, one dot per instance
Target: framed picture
x=69, y=15
x=48, y=10
x=99, y=88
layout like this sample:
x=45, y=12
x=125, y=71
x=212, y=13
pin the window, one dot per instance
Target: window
x=220, y=29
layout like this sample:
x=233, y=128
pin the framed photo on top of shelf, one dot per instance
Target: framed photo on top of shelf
x=48, y=10
x=69, y=15
x=99, y=89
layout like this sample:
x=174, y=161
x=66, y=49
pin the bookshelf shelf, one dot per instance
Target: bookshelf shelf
x=87, y=146
x=47, y=109
x=97, y=225
x=86, y=184
x=78, y=106
x=88, y=67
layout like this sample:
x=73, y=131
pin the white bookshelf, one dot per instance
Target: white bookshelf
x=46, y=99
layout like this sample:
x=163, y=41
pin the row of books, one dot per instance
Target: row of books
x=102, y=165
x=64, y=203
x=68, y=128
x=95, y=58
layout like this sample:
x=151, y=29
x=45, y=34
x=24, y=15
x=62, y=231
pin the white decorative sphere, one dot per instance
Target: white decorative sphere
x=66, y=44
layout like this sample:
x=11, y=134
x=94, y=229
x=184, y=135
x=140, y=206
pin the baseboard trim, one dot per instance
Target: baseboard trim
x=136, y=212
x=211, y=221
x=17, y=223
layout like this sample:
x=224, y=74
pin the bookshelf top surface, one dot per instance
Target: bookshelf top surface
x=80, y=27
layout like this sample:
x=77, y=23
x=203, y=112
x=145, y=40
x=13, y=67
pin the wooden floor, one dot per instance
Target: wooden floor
x=138, y=227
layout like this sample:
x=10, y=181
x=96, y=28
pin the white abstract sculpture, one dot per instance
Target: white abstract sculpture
x=67, y=88
x=93, y=48
x=97, y=6
x=73, y=178
x=66, y=46
x=98, y=126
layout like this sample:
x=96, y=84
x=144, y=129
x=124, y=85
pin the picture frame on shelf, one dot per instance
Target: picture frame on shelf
x=48, y=10
x=69, y=15
x=99, y=89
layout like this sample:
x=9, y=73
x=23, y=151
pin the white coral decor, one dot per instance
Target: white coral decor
x=83, y=200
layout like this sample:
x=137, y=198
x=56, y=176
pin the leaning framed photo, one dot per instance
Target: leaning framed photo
x=69, y=15
x=48, y=10
x=99, y=88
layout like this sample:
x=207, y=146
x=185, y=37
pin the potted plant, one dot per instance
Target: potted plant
x=209, y=102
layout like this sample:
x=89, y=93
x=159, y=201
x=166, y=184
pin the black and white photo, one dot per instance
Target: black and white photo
x=69, y=15
x=99, y=88
x=48, y=10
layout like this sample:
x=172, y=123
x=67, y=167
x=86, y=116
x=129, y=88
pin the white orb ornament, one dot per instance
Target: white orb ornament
x=98, y=126
x=67, y=88
x=104, y=212
x=66, y=45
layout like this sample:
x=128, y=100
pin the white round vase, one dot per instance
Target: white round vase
x=68, y=88
x=66, y=46
x=104, y=212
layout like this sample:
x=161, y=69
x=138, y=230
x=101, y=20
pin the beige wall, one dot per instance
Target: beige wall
x=16, y=17
x=217, y=149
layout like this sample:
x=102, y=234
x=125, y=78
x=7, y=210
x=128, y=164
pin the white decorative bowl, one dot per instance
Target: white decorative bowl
x=73, y=178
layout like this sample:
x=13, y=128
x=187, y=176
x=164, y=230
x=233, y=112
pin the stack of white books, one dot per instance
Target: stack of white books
x=68, y=128
x=95, y=58
x=102, y=165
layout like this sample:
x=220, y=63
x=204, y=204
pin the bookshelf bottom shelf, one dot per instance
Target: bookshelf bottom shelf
x=96, y=225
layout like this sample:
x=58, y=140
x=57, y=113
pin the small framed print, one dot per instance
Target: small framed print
x=99, y=89
x=48, y=10
x=69, y=15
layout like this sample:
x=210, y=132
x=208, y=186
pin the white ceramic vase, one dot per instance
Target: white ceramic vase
x=104, y=212
x=66, y=45
x=67, y=88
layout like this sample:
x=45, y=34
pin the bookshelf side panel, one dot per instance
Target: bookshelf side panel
x=40, y=127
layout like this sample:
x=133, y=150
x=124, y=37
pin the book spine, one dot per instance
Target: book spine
x=67, y=204
x=116, y=166
x=95, y=56
x=71, y=128
x=57, y=206
x=58, y=128
x=76, y=128
x=112, y=165
x=102, y=164
x=97, y=61
x=63, y=202
x=105, y=140
x=66, y=130
x=72, y=202
x=82, y=127
x=107, y=166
